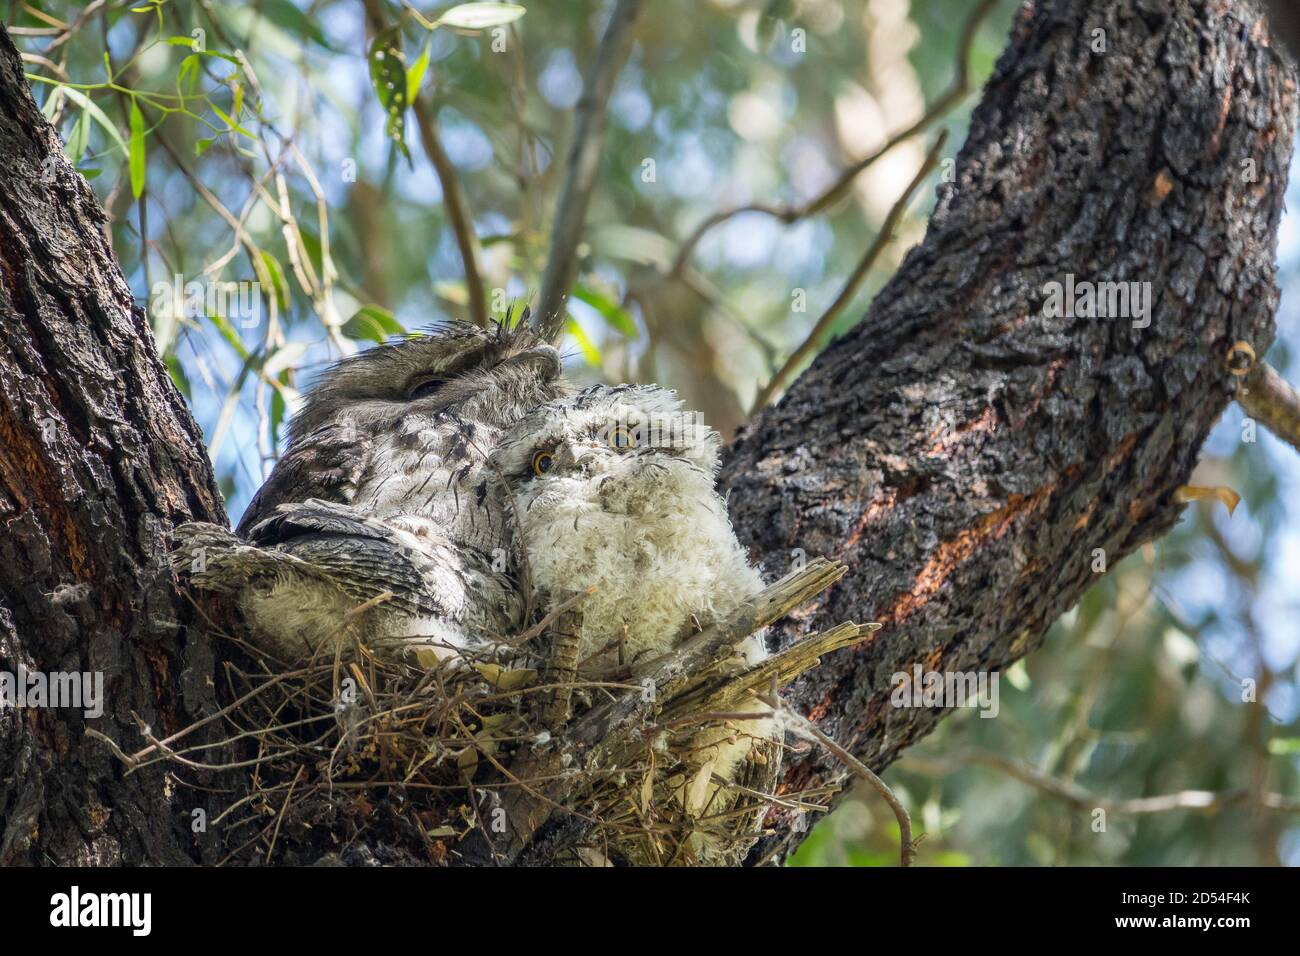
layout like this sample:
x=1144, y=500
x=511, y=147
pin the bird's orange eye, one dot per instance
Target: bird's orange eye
x=621, y=438
x=543, y=461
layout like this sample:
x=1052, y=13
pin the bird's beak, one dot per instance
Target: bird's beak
x=544, y=358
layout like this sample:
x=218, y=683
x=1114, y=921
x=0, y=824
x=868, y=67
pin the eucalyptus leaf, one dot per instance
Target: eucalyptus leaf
x=278, y=279
x=137, y=155
x=283, y=358
x=613, y=313
x=480, y=16
x=590, y=351
x=51, y=104
x=388, y=76
x=415, y=75
x=78, y=138
x=97, y=114
x=374, y=324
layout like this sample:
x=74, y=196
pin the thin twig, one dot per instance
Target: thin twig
x=457, y=206
x=453, y=194
x=56, y=68
x=551, y=617
x=275, y=834
x=790, y=214
x=139, y=755
x=74, y=27
x=1202, y=801
x=362, y=608
x=582, y=163
x=850, y=289
x=907, y=852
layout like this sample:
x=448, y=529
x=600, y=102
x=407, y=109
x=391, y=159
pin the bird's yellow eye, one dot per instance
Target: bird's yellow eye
x=621, y=438
x=543, y=461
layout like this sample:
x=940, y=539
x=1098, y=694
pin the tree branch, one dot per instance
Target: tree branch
x=963, y=451
x=99, y=457
x=583, y=162
x=1273, y=402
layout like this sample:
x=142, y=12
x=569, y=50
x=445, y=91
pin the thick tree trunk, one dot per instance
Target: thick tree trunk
x=961, y=452
x=98, y=458
x=964, y=454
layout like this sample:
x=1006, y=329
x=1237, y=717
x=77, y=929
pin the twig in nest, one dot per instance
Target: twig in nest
x=275, y=835
x=551, y=618
x=614, y=733
x=352, y=613
x=908, y=849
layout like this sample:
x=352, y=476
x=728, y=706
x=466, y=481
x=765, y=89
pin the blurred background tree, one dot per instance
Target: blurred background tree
x=753, y=149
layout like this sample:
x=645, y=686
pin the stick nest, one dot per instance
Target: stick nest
x=503, y=758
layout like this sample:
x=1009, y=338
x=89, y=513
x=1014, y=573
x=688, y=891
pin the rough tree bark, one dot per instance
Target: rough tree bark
x=961, y=453
x=99, y=457
x=965, y=455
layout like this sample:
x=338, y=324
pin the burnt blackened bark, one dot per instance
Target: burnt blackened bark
x=963, y=453
x=98, y=458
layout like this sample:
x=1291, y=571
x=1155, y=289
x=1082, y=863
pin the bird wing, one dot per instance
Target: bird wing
x=312, y=516
x=327, y=464
x=363, y=556
x=429, y=576
x=214, y=559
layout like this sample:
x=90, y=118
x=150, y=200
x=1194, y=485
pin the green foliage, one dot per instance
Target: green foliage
x=388, y=74
x=374, y=324
x=137, y=150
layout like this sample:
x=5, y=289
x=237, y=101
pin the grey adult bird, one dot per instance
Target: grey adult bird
x=382, y=488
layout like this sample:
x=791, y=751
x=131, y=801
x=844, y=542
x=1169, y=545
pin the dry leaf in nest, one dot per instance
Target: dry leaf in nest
x=698, y=792
x=1189, y=493
x=468, y=762
x=507, y=680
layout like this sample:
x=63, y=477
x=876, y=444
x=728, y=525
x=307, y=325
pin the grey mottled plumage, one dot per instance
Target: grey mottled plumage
x=381, y=489
x=408, y=419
